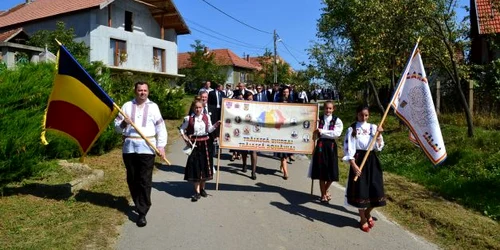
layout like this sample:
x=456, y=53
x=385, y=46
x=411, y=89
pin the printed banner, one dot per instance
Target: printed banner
x=268, y=126
x=413, y=104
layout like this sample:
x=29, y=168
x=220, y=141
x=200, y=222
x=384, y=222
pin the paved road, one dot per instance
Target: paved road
x=268, y=213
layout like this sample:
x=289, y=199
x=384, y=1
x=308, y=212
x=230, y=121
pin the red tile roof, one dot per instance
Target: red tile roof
x=6, y=36
x=255, y=61
x=223, y=57
x=44, y=8
x=488, y=17
x=39, y=9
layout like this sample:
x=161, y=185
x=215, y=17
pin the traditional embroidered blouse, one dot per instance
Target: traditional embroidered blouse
x=364, y=134
x=326, y=132
x=150, y=122
x=200, y=128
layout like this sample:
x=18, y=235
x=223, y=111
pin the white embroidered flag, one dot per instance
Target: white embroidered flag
x=413, y=104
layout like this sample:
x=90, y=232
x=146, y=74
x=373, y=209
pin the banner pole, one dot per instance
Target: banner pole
x=141, y=134
x=377, y=133
x=218, y=170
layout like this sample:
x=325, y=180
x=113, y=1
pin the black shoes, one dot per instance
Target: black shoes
x=141, y=221
x=203, y=193
x=195, y=197
x=254, y=176
x=244, y=169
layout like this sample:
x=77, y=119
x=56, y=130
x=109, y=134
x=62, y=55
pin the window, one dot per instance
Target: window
x=128, y=21
x=159, y=59
x=117, y=52
x=243, y=77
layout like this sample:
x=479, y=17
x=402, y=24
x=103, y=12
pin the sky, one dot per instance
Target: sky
x=252, y=31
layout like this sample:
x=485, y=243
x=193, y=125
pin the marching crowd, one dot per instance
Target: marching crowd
x=200, y=131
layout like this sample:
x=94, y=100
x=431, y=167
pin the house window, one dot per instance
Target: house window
x=117, y=52
x=243, y=77
x=128, y=21
x=159, y=59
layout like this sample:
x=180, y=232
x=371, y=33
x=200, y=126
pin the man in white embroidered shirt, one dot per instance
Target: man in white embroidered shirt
x=138, y=156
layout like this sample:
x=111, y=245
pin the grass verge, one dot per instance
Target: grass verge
x=40, y=212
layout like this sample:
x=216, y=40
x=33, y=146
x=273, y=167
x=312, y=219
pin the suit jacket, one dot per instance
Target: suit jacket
x=260, y=97
x=212, y=104
x=212, y=97
x=238, y=92
x=275, y=96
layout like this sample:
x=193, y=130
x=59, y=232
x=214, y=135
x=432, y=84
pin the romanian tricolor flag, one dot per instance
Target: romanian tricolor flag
x=77, y=107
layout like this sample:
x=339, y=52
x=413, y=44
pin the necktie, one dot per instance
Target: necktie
x=258, y=97
x=205, y=111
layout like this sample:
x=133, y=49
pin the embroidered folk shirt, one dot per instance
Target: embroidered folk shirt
x=326, y=132
x=149, y=121
x=364, y=134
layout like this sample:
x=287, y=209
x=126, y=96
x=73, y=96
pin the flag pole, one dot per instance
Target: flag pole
x=141, y=134
x=377, y=133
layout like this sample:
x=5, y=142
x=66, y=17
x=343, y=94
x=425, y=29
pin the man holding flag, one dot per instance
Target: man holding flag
x=138, y=156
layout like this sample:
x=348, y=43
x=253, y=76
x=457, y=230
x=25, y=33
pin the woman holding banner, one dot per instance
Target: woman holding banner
x=367, y=192
x=195, y=130
x=325, y=162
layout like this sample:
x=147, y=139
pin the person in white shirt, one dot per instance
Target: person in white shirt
x=205, y=88
x=138, y=156
x=325, y=162
x=368, y=191
x=195, y=130
x=302, y=96
x=228, y=91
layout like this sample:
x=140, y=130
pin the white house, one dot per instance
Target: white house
x=132, y=35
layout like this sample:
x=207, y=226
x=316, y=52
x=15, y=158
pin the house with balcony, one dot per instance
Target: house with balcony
x=126, y=35
x=234, y=67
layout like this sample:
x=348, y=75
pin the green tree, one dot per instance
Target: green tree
x=203, y=67
x=48, y=38
x=266, y=74
x=365, y=50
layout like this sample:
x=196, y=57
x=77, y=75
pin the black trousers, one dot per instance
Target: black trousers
x=139, y=179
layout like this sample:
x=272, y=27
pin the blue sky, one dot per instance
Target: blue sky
x=294, y=21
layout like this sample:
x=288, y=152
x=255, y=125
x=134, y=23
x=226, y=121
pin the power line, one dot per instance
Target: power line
x=236, y=19
x=208, y=42
x=289, y=51
x=210, y=35
x=223, y=34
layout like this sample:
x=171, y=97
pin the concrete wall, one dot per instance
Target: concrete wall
x=91, y=27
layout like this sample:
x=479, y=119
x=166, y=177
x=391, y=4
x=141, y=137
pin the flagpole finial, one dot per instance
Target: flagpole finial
x=419, y=39
x=58, y=41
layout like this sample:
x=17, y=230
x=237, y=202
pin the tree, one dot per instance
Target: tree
x=203, y=68
x=266, y=74
x=48, y=38
x=365, y=50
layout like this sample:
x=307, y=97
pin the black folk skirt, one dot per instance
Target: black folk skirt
x=368, y=190
x=325, y=162
x=199, y=163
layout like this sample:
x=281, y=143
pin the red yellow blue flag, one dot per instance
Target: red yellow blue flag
x=78, y=107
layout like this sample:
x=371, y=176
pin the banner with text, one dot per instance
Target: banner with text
x=268, y=126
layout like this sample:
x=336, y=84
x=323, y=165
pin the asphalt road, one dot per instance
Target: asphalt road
x=267, y=213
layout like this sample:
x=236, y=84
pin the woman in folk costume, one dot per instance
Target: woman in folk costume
x=195, y=130
x=325, y=165
x=368, y=191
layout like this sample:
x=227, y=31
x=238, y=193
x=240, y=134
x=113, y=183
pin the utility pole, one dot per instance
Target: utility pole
x=275, y=66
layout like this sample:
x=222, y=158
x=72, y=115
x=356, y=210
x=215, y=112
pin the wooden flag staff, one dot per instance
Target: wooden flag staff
x=377, y=133
x=141, y=134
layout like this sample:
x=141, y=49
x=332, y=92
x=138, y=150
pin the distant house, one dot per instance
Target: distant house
x=485, y=21
x=13, y=48
x=132, y=35
x=236, y=69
